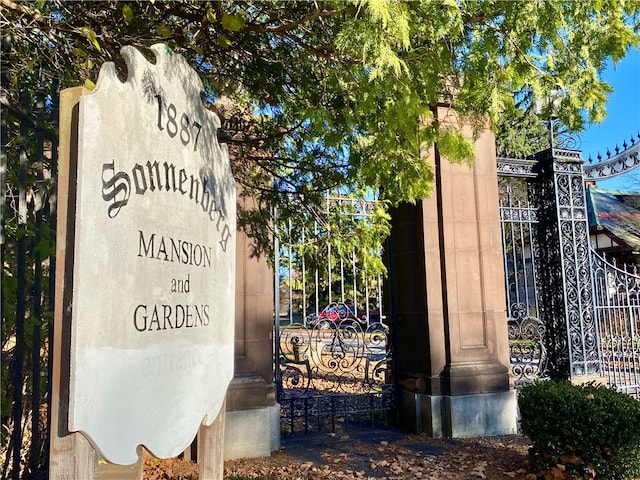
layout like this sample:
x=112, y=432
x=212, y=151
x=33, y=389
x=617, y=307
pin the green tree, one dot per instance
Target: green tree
x=520, y=130
x=346, y=88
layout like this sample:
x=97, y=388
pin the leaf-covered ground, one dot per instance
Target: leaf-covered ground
x=341, y=456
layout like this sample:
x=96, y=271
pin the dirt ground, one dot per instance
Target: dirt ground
x=344, y=456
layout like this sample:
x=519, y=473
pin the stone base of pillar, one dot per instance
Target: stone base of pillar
x=421, y=413
x=481, y=414
x=460, y=416
x=475, y=377
x=252, y=433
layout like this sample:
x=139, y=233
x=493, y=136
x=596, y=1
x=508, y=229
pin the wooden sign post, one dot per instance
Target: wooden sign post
x=146, y=278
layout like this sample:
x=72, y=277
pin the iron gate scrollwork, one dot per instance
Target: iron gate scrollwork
x=331, y=376
x=526, y=347
x=622, y=161
x=566, y=302
x=546, y=243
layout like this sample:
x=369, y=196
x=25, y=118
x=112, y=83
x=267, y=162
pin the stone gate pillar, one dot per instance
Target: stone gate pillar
x=253, y=417
x=448, y=302
x=564, y=279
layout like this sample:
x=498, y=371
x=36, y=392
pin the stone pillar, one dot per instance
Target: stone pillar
x=451, y=340
x=253, y=417
x=567, y=306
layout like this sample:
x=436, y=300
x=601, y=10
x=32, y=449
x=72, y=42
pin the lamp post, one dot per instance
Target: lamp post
x=546, y=107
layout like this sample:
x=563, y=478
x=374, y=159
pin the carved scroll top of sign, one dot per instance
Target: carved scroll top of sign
x=154, y=261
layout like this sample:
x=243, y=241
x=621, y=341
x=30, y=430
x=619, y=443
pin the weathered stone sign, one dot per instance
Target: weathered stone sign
x=154, y=261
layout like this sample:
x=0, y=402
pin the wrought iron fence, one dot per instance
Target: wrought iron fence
x=617, y=304
x=333, y=353
x=621, y=161
x=29, y=170
x=314, y=270
x=519, y=219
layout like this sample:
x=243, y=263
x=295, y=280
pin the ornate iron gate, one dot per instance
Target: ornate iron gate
x=617, y=298
x=519, y=219
x=570, y=312
x=333, y=376
x=333, y=354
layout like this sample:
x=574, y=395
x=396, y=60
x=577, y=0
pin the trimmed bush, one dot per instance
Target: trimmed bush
x=593, y=431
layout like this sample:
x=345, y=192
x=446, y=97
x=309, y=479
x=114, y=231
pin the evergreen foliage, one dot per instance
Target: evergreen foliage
x=345, y=89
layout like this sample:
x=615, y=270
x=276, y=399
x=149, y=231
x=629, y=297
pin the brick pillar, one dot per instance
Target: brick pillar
x=452, y=352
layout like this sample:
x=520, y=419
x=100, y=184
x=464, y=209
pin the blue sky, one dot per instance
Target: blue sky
x=623, y=118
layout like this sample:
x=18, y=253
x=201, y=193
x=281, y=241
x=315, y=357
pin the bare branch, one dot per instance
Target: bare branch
x=35, y=16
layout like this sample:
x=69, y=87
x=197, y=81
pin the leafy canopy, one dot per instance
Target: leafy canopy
x=346, y=89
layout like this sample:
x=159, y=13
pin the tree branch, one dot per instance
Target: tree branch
x=35, y=16
x=264, y=28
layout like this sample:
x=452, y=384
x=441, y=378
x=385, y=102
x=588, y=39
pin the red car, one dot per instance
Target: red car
x=338, y=313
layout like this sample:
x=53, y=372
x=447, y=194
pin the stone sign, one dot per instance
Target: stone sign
x=154, y=261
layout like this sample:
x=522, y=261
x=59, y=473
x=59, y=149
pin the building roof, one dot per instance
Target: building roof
x=616, y=211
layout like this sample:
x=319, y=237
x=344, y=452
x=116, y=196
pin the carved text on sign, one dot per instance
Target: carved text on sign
x=154, y=262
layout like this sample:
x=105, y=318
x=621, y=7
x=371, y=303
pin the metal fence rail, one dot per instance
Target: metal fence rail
x=314, y=271
x=601, y=330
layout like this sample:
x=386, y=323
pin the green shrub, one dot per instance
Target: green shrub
x=591, y=430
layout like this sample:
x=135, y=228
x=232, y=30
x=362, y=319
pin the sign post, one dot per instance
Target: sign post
x=146, y=310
